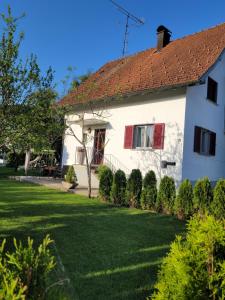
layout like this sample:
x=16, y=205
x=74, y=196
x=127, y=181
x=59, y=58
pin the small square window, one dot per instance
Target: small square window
x=204, y=141
x=143, y=136
x=212, y=90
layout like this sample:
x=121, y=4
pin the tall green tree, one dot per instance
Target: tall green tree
x=30, y=120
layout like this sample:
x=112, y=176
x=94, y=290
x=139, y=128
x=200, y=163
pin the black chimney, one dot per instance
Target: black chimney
x=163, y=37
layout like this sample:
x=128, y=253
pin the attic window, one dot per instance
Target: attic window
x=212, y=90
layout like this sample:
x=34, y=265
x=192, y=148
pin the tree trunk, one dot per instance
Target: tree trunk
x=27, y=161
x=88, y=166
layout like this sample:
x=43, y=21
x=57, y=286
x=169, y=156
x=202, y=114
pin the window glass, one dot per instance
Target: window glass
x=143, y=136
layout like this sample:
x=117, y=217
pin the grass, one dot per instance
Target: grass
x=107, y=252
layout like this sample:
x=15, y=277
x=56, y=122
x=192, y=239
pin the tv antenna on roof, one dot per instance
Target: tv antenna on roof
x=129, y=17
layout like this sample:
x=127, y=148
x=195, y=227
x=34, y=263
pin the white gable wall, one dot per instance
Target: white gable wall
x=168, y=108
x=204, y=113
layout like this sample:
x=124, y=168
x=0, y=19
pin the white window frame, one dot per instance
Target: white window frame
x=144, y=146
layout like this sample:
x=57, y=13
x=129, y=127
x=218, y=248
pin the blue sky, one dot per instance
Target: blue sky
x=87, y=33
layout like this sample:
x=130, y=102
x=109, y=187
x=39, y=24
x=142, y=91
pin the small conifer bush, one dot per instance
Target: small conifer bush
x=166, y=195
x=70, y=176
x=134, y=188
x=183, y=206
x=195, y=265
x=24, y=271
x=105, y=184
x=118, y=192
x=218, y=204
x=203, y=195
x=149, y=192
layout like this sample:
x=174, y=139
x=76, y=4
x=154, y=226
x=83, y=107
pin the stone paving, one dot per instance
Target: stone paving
x=54, y=183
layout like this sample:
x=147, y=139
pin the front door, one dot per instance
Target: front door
x=99, y=143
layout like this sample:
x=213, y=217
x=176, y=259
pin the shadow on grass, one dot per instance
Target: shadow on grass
x=108, y=253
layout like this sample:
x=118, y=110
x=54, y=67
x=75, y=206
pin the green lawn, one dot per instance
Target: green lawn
x=108, y=253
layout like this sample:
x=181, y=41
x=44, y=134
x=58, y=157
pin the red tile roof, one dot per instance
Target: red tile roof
x=182, y=62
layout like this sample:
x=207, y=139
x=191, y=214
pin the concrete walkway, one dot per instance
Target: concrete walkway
x=57, y=184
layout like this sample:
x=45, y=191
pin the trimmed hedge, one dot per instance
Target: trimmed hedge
x=134, y=188
x=105, y=184
x=149, y=192
x=218, y=204
x=183, y=206
x=166, y=195
x=118, y=192
x=203, y=195
x=195, y=265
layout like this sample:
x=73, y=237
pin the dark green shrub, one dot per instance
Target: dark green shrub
x=149, y=192
x=195, y=265
x=183, y=206
x=105, y=184
x=71, y=177
x=23, y=272
x=166, y=195
x=218, y=204
x=203, y=195
x=134, y=188
x=119, y=188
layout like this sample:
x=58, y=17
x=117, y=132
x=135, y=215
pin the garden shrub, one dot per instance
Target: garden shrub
x=218, y=204
x=71, y=177
x=134, y=188
x=203, y=195
x=100, y=170
x=183, y=206
x=195, y=265
x=166, y=195
x=118, y=191
x=149, y=192
x=23, y=272
x=105, y=184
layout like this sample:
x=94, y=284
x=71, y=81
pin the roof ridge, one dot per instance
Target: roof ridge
x=152, y=48
x=198, y=32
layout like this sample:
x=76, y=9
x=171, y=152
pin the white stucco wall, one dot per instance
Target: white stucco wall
x=166, y=107
x=204, y=113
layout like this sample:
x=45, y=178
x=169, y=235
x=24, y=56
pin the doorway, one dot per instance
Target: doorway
x=99, y=143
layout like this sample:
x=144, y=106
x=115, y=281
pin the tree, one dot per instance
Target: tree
x=29, y=117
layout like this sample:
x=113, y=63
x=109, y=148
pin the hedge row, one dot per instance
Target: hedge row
x=142, y=193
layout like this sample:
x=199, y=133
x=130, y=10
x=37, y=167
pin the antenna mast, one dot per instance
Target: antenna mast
x=129, y=17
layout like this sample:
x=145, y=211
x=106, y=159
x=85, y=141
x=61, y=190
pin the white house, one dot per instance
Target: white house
x=160, y=109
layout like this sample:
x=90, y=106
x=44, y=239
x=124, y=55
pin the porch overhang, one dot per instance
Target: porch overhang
x=91, y=122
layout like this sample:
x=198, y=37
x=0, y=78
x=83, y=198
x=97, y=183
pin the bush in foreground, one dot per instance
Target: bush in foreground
x=134, y=188
x=166, y=195
x=183, y=205
x=203, y=195
x=195, y=266
x=119, y=188
x=105, y=184
x=149, y=192
x=218, y=204
x=23, y=272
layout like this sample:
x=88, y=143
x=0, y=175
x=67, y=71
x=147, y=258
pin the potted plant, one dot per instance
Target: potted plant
x=70, y=179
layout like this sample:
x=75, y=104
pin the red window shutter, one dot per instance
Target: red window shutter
x=197, y=139
x=158, y=140
x=212, y=148
x=128, y=137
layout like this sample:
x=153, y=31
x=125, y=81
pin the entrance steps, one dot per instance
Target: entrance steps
x=82, y=178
